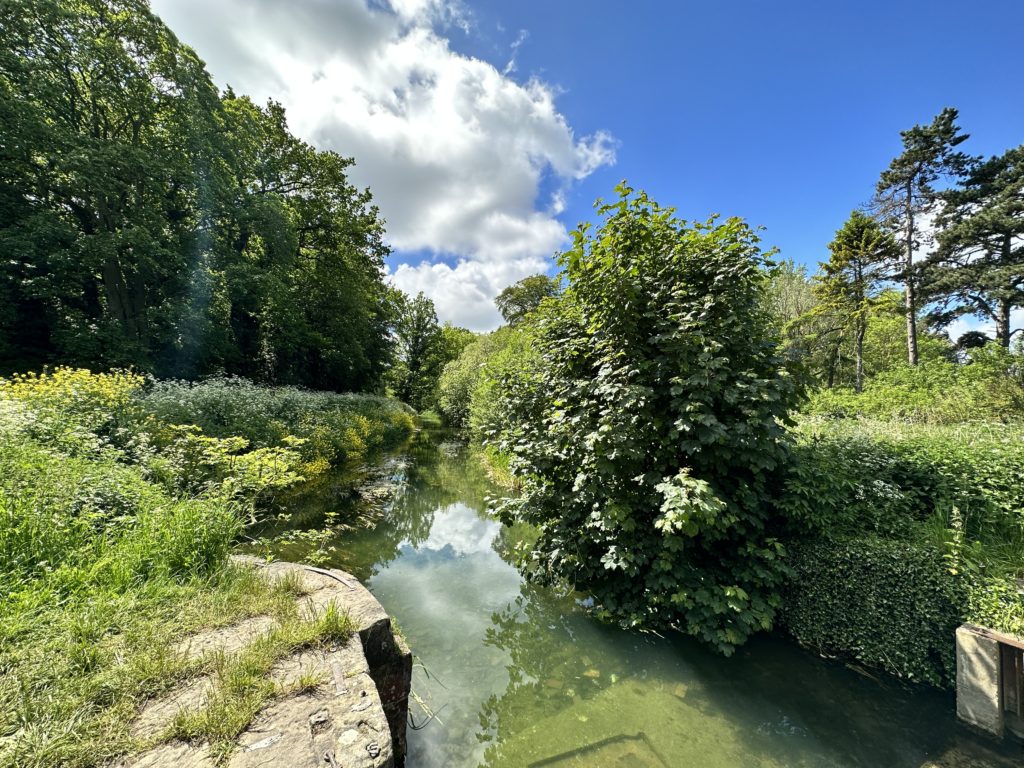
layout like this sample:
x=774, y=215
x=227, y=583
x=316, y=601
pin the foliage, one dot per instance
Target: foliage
x=989, y=387
x=889, y=604
x=147, y=220
x=517, y=301
x=502, y=394
x=978, y=268
x=906, y=191
x=997, y=603
x=648, y=434
x=851, y=476
x=331, y=429
x=73, y=409
x=115, y=529
x=424, y=348
x=850, y=280
x=900, y=532
x=885, y=343
x=461, y=378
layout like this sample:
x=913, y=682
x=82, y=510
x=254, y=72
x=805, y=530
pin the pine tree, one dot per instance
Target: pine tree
x=905, y=192
x=978, y=267
x=851, y=279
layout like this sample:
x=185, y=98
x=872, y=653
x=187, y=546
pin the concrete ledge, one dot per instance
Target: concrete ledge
x=978, y=700
x=356, y=716
x=387, y=656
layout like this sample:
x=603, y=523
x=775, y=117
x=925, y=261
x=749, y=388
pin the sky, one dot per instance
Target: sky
x=486, y=130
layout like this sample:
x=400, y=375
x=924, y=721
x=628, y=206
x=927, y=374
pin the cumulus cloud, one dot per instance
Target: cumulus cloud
x=454, y=149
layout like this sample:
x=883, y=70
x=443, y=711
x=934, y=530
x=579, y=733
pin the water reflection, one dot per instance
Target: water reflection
x=521, y=676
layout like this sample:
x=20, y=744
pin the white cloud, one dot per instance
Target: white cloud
x=453, y=149
x=961, y=325
x=511, y=66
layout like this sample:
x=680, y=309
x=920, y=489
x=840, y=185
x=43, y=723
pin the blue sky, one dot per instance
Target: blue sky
x=783, y=113
x=487, y=129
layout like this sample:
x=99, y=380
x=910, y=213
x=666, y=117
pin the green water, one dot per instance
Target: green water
x=521, y=676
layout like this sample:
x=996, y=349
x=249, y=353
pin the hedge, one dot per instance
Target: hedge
x=890, y=604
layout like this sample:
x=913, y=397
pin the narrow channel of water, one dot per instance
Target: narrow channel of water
x=520, y=676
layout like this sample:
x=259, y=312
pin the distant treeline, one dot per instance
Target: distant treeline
x=148, y=220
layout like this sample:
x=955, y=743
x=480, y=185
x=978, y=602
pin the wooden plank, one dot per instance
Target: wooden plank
x=1008, y=678
x=1019, y=669
x=1000, y=637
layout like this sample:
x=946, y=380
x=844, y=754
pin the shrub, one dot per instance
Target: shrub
x=899, y=532
x=989, y=387
x=649, y=434
x=997, y=603
x=73, y=409
x=461, y=377
x=852, y=476
x=890, y=604
x=494, y=406
x=335, y=428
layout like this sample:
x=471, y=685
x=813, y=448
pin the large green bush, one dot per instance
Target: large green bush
x=648, y=436
x=890, y=604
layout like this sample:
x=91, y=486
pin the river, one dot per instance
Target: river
x=519, y=676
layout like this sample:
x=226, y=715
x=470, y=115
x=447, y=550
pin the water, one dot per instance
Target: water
x=516, y=675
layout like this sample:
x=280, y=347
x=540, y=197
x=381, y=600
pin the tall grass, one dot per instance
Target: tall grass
x=120, y=501
x=334, y=428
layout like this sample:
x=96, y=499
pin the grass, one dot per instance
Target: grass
x=242, y=687
x=496, y=465
x=76, y=672
x=116, y=526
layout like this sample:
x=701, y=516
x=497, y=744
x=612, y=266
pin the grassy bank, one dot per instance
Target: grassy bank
x=900, y=532
x=117, y=516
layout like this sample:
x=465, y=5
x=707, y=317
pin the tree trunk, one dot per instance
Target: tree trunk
x=858, y=382
x=1003, y=323
x=118, y=300
x=909, y=294
x=1004, y=305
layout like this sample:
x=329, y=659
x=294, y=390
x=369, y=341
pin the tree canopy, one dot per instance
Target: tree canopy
x=148, y=220
x=978, y=268
x=516, y=301
x=906, y=191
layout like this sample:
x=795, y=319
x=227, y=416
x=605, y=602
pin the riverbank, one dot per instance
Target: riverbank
x=118, y=520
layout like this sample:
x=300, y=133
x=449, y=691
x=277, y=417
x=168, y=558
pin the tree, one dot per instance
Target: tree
x=850, y=280
x=461, y=375
x=905, y=192
x=518, y=300
x=650, y=434
x=416, y=332
x=108, y=124
x=978, y=267
x=153, y=222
